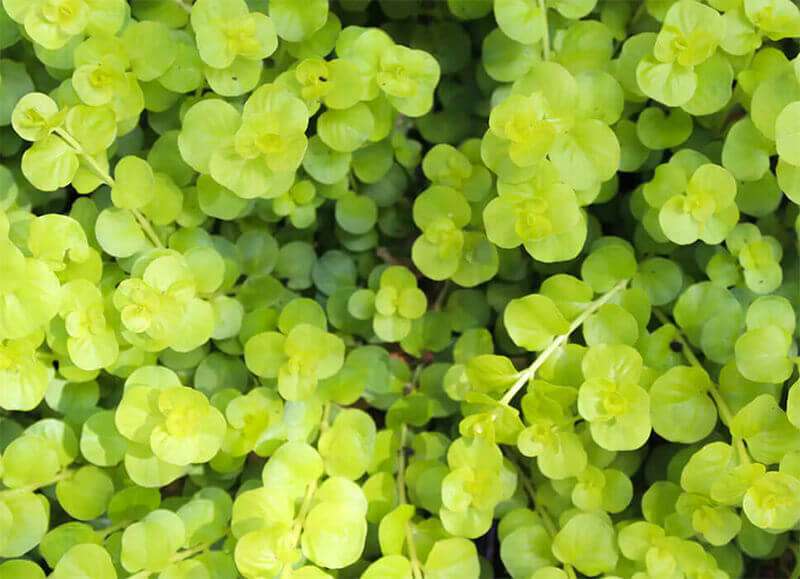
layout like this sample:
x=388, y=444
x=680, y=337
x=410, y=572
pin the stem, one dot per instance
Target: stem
x=148, y=229
x=301, y=516
x=640, y=12
x=54, y=480
x=184, y=6
x=416, y=567
x=72, y=142
x=401, y=466
x=727, y=417
x=386, y=256
x=528, y=374
x=110, y=530
x=437, y=305
x=725, y=412
x=48, y=357
x=547, y=521
x=749, y=60
x=546, y=32
x=412, y=382
x=300, y=520
x=326, y=417
x=686, y=349
x=297, y=528
x=181, y=555
x=103, y=174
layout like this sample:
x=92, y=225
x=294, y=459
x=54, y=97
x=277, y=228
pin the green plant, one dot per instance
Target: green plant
x=399, y=289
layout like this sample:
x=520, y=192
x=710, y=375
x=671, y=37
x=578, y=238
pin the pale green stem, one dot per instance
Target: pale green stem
x=386, y=256
x=301, y=516
x=110, y=530
x=181, y=555
x=437, y=305
x=547, y=521
x=412, y=382
x=546, y=32
x=416, y=567
x=401, y=466
x=300, y=520
x=72, y=142
x=725, y=411
x=103, y=174
x=184, y=6
x=148, y=229
x=297, y=528
x=640, y=12
x=326, y=418
x=526, y=375
x=46, y=356
x=54, y=480
x=749, y=60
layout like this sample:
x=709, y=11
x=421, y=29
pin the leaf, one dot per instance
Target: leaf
x=762, y=355
x=533, y=321
x=490, y=373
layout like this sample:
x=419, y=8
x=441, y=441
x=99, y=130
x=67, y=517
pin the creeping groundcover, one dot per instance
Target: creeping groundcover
x=399, y=289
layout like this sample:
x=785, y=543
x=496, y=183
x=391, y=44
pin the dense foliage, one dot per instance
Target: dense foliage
x=399, y=289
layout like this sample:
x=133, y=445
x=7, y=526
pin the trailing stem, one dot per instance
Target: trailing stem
x=416, y=567
x=725, y=411
x=527, y=375
x=201, y=548
x=186, y=7
x=308, y=498
x=108, y=180
x=545, y=32
x=547, y=520
x=35, y=487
